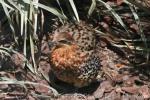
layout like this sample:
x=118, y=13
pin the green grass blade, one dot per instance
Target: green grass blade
x=13, y=81
x=92, y=7
x=74, y=9
x=116, y=16
x=22, y=23
x=5, y=4
x=32, y=53
x=24, y=58
x=50, y=9
x=10, y=21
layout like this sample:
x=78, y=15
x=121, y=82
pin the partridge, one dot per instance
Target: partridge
x=74, y=58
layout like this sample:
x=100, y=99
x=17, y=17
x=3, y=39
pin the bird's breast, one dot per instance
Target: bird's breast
x=67, y=57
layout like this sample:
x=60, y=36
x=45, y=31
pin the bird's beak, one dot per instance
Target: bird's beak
x=52, y=44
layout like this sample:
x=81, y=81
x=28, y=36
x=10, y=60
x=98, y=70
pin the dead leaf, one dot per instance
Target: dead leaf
x=113, y=96
x=41, y=89
x=132, y=90
x=99, y=93
x=107, y=85
x=144, y=90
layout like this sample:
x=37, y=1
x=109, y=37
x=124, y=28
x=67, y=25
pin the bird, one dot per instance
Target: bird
x=74, y=58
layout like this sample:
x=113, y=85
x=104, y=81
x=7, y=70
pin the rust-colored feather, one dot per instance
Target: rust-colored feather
x=74, y=58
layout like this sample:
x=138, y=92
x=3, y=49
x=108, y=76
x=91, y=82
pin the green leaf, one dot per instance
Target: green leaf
x=92, y=7
x=50, y=9
x=74, y=9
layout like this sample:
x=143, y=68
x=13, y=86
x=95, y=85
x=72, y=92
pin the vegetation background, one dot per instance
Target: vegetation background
x=25, y=27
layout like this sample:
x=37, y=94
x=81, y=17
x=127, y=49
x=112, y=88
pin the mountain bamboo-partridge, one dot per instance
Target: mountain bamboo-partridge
x=74, y=58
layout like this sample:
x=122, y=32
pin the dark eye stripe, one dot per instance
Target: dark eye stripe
x=65, y=41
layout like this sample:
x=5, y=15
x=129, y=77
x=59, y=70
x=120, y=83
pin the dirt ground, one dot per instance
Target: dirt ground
x=123, y=75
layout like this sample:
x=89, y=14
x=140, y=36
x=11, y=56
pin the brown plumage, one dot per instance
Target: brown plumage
x=74, y=58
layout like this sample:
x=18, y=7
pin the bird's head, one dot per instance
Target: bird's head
x=61, y=39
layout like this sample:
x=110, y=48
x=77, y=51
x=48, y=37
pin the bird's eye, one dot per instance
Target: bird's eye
x=65, y=41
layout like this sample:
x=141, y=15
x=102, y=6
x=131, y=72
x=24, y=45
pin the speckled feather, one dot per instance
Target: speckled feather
x=77, y=61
